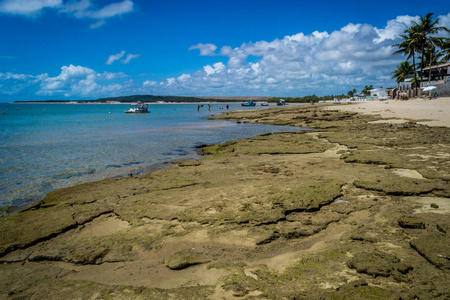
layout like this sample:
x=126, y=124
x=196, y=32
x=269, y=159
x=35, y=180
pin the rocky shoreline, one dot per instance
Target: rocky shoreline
x=354, y=209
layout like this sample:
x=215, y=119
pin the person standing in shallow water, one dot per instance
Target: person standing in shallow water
x=198, y=107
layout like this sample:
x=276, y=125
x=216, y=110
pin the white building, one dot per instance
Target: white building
x=379, y=94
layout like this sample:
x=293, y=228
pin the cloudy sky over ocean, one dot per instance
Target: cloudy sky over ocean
x=86, y=49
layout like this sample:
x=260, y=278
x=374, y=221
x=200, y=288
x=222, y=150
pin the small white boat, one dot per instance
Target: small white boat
x=139, y=107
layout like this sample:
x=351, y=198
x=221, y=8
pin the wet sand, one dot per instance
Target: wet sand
x=356, y=209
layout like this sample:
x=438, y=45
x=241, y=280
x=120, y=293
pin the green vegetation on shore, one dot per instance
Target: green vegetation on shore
x=152, y=98
x=143, y=98
x=305, y=99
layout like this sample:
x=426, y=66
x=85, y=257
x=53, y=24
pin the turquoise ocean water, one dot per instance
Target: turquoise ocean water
x=44, y=147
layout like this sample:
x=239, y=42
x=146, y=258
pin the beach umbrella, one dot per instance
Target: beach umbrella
x=429, y=88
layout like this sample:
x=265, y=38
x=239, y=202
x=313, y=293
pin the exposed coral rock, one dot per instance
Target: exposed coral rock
x=184, y=259
x=435, y=248
x=410, y=222
x=378, y=263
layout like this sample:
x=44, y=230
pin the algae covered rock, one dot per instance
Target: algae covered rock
x=276, y=143
x=187, y=163
x=184, y=259
x=360, y=289
x=353, y=284
x=378, y=263
x=27, y=228
x=85, y=254
x=309, y=195
x=410, y=222
x=401, y=186
x=435, y=247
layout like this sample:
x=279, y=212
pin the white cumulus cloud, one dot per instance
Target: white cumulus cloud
x=27, y=7
x=82, y=9
x=112, y=58
x=78, y=81
x=184, y=78
x=216, y=68
x=129, y=57
x=71, y=76
x=110, y=10
x=205, y=49
x=320, y=62
x=149, y=83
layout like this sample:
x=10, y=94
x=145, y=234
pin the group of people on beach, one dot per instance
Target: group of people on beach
x=209, y=107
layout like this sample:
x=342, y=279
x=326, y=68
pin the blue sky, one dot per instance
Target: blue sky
x=86, y=49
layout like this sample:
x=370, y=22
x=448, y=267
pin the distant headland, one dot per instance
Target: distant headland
x=181, y=99
x=151, y=98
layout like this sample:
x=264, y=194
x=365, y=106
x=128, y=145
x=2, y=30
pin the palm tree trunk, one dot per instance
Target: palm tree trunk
x=421, y=69
x=421, y=63
x=415, y=79
x=429, y=72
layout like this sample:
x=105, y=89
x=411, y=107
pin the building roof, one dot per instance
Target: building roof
x=437, y=66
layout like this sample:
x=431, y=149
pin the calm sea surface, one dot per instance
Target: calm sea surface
x=44, y=147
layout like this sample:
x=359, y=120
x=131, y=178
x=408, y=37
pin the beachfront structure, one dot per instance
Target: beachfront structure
x=437, y=72
x=408, y=84
x=379, y=94
x=440, y=78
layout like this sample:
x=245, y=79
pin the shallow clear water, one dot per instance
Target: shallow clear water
x=44, y=147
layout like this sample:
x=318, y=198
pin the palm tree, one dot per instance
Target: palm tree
x=351, y=93
x=409, y=46
x=445, y=52
x=366, y=90
x=424, y=33
x=432, y=56
x=404, y=69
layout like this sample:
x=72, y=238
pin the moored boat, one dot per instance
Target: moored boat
x=281, y=102
x=249, y=103
x=139, y=107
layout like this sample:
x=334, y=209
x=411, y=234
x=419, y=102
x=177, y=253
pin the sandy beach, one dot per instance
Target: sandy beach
x=430, y=112
x=358, y=208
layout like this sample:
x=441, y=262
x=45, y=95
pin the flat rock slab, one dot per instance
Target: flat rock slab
x=184, y=259
x=435, y=247
x=410, y=222
x=378, y=263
